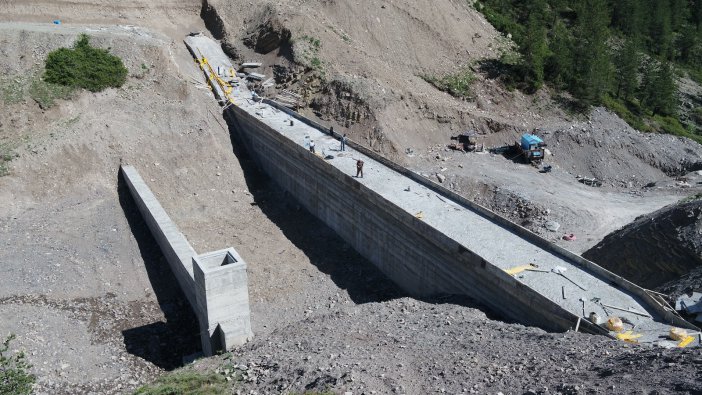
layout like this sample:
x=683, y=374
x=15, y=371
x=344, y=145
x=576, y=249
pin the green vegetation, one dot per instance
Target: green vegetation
x=457, y=84
x=14, y=376
x=620, y=53
x=691, y=198
x=45, y=93
x=85, y=66
x=6, y=156
x=307, y=52
x=12, y=89
x=187, y=382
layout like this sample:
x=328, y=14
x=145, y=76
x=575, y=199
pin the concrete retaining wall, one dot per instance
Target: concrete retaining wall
x=420, y=259
x=652, y=298
x=214, y=283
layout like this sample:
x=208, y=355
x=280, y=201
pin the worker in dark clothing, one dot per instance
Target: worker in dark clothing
x=344, y=139
x=359, y=168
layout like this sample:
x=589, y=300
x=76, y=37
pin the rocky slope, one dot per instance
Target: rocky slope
x=409, y=347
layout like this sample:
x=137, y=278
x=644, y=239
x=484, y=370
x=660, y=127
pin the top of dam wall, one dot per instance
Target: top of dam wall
x=499, y=242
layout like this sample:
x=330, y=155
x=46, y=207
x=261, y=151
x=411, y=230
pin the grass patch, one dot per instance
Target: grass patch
x=12, y=90
x=6, y=155
x=646, y=122
x=85, y=66
x=691, y=198
x=45, y=93
x=186, y=383
x=625, y=113
x=457, y=84
x=673, y=126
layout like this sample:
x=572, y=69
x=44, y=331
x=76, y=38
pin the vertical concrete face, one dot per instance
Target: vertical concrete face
x=221, y=287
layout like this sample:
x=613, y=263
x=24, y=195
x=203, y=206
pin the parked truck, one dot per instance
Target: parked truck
x=531, y=147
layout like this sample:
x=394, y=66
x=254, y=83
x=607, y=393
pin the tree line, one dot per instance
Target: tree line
x=604, y=51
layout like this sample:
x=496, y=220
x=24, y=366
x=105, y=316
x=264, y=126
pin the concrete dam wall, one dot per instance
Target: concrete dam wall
x=425, y=238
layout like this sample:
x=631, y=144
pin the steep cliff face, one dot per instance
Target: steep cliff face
x=656, y=248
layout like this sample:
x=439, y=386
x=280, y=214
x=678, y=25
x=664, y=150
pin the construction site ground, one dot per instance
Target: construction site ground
x=90, y=298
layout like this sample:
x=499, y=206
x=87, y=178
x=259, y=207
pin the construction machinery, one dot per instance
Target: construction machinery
x=531, y=147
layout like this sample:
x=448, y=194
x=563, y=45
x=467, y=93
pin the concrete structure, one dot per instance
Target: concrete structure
x=214, y=283
x=424, y=237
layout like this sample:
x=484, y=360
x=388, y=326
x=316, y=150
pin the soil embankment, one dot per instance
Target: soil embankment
x=656, y=248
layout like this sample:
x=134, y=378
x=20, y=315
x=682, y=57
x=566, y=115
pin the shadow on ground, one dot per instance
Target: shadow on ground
x=325, y=249
x=162, y=343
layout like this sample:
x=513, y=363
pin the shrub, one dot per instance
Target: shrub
x=85, y=67
x=14, y=376
x=457, y=84
x=186, y=383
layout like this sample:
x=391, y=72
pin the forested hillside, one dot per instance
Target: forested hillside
x=625, y=54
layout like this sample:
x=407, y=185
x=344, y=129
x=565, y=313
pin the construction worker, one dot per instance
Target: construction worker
x=359, y=168
x=344, y=139
x=312, y=146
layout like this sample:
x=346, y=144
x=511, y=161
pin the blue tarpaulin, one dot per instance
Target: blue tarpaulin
x=530, y=141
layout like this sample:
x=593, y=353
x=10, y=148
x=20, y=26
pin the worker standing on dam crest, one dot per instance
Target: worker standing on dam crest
x=312, y=146
x=359, y=168
x=343, y=142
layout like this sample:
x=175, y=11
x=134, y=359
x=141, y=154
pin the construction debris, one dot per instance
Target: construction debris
x=560, y=270
x=615, y=324
x=552, y=225
x=251, y=65
x=629, y=310
x=689, y=304
x=593, y=182
x=677, y=333
x=288, y=99
x=255, y=76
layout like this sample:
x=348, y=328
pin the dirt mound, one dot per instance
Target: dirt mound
x=656, y=248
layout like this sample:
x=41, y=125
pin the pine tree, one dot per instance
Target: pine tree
x=664, y=102
x=628, y=16
x=592, y=65
x=660, y=29
x=658, y=89
x=534, y=47
x=627, y=61
x=559, y=67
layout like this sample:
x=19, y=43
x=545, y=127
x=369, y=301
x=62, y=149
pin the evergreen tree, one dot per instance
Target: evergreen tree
x=629, y=16
x=658, y=89
x=534, y=47
x=660, y=29
x=627, y=61
x=696, y=14
x=688, y=46
x=560, y=64
x=592, y=65
x=664, y=102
